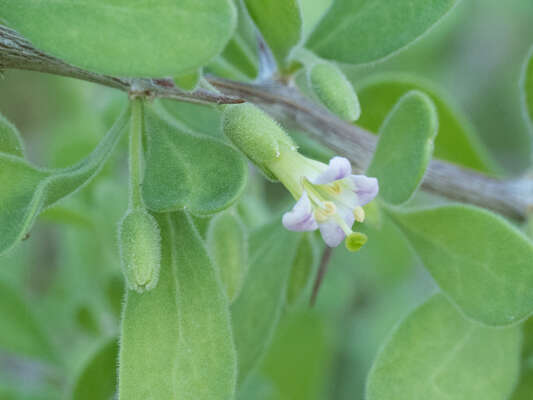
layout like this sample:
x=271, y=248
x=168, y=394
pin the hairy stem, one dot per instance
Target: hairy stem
x=511, y=197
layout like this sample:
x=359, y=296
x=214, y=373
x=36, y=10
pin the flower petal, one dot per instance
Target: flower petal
x=338, y=168
x=300, y=218
x=366, y=188
x=332, y=233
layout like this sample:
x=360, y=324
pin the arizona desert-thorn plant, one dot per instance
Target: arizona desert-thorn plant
x=283, y=206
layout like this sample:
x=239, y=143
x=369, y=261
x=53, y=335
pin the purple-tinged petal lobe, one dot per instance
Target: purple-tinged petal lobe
x=338, y=168
x=332, y=234
x=300, y=218
x=366, y=188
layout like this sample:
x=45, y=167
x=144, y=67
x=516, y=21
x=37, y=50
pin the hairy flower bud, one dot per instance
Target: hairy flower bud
x=140, y=250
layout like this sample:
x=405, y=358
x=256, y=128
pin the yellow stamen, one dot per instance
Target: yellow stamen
x=320, y=216
x=359, y=214
x=335, y=188
x=329, y=208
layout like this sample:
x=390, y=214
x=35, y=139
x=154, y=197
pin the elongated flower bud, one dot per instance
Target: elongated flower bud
x=256, y=134
x=334, y=91
x=140, y=250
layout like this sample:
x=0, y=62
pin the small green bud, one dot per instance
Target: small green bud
x=355, y=240
x=227, y=243
x=140, y=250
x=254, y=132
x=334, y=91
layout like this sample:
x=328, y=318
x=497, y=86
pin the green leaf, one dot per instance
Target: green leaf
x=256, y=311
x=363, y=31
x=477, y=258
x=176, y=341
x=435, y=353
x=228, y=244
x=21, y=332
x=304, y=264
x=457, y=141
x=188, y=81
x=526, y=87
x=154, y=38
x=280, y=22
x=239, y=60
x=27, y=189
x=10, y=140
x=405, y=147
x=97, y=379
x=185, y=169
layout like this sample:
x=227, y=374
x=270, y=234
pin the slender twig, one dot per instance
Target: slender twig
x=510, y=197
x=322, y=268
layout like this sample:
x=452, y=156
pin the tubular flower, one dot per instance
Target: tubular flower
x=329, y=197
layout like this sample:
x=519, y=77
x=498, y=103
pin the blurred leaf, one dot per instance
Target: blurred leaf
x=21, y=333
x=201, y=118
x=228, y=245
x=176, y=339
x=524, y=389
x=297, y=360
x=303, y=266
x=525, y=386
x=97, y=379
x=526, y=86
x=435, y=353
x=405, y=147
x=477, y=258
x=312, y=11
x=456, y=141
x=188, y=81
x=27, y=190
x=257, y=387
x=67, y=30
x=10, y=140
x=359, y=32
x=256, y=311
x=185, y=169
x=280, y=22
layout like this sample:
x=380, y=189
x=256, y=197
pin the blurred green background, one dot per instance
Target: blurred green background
x=68, y=270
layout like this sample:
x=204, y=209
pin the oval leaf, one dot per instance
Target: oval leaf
x=228, y=244
x=97, y=379
x=256, y=311
x=176, y=341
x=457, y=140
x=153, y=38
x=280, y=22
x=27, y=190
x=363, y=31
x=10, y=140
x=405, y=147
x=477, y=258
x=185, y=169
x=435, y=353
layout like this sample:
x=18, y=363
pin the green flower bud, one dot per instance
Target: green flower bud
x=334, y=91
x=140, y=250
x=355, y=240
x=256, y=134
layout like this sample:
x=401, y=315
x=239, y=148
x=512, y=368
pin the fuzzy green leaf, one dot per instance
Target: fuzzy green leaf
x=457, y=141
x=435, y=353
x=256, y=311
x=97, y=379
x=176, y=341
x=21, y=332
x=405, y=147
x=526, y=86
x=478, y=259
x=27, y=189
x=153, y=38
x=280, y=22
x=363, y=31
x=185, y=169
x=10, y=140
x=228, y=244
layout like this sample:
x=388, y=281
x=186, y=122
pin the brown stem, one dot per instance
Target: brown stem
x=510, y=197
